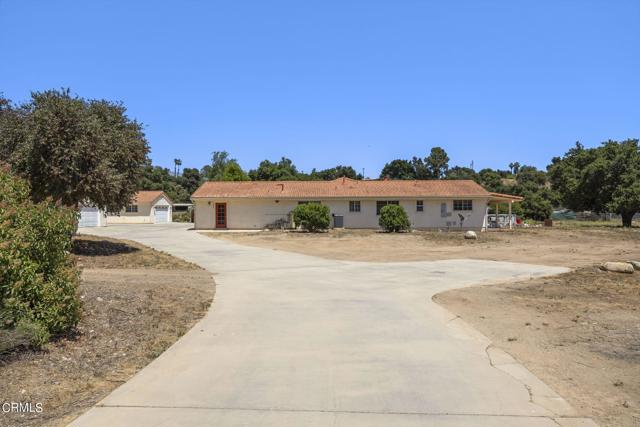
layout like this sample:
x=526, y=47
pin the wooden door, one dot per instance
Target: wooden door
x=221, y=215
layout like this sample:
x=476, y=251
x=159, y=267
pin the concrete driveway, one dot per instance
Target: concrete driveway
x=294, y=340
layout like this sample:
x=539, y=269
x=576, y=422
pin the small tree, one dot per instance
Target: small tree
x=312, y=217
x=38, y=279
x=393, y=218
x=73, y=150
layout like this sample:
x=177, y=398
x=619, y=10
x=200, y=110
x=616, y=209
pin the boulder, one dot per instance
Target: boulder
x=635, y=264
x=618, y=267
x=470, y=235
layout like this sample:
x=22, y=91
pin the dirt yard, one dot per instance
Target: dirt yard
x=136, y=303
x=579, y=332
x=571, y=247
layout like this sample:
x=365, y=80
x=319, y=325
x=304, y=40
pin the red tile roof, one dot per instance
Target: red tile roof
x=341, y=187
x=149, y=196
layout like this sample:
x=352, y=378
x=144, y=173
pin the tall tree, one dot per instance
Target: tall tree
x=461, y=172
x=282, y=170
x=73, y=150
x=176, y=166
x=398, y=169
x=335, y=173
x=437, y=163
x=601, y=179
x=223, y=168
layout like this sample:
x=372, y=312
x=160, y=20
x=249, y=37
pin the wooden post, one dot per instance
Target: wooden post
x=510, y=219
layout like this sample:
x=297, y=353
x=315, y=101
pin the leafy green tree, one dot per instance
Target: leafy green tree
x=393, y=218
x=72, y=149
x=398, y=169
x=223, y=168
x=190, y=180
x=233, y=172
x=38, y=279
x=514, y=167
x=601, y=179
x=283, y=170
x=312, y=217
x=335, y=173
x=159, y=178
x=437, y=163
x=459, y=172
x=490, y=180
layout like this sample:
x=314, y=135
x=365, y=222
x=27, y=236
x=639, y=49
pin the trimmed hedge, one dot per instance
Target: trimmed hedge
x=393, y=218
x=38, y=278
x=312, y=217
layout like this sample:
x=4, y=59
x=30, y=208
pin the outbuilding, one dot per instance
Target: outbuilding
x=146, y=207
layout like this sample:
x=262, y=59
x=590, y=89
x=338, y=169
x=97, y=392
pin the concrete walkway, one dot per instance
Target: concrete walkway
x=294, y=340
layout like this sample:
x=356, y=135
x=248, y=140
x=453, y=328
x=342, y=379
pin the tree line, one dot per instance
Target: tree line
x=73, y=150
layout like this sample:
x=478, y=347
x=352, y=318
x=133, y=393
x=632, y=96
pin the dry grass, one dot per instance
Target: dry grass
x=579, y=332
x=136, y=303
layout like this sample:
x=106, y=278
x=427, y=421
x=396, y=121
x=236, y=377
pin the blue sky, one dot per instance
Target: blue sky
x=340, y=82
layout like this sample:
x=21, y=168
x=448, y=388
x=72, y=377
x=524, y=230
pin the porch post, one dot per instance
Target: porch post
x=510, y=219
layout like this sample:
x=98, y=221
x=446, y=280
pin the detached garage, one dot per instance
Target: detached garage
x=146, y=207
x=92, y=217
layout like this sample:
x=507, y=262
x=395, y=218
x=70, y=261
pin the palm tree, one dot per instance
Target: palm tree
x=176, y=166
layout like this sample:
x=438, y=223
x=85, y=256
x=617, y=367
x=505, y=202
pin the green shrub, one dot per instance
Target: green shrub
x=393, y=218
x=312, y=216
x=182, y=216
x=38, y=278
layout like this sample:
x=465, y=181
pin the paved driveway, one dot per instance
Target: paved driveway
x=294, y=340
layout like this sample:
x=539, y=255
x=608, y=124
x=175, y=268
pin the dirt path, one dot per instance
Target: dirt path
x=130, y=316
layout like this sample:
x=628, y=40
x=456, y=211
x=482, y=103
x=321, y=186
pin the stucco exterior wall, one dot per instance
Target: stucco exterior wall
x=145, y=214
x=257, y=213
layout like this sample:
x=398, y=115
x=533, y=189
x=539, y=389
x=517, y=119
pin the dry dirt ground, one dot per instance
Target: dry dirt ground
x=558, y=246
x=579, y=332
x=136, y=303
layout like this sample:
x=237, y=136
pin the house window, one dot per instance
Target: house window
x=419, y=205
x=354, y=206
x=131, y=209
x=382, y=203
x=463, y=205
x=306, y=202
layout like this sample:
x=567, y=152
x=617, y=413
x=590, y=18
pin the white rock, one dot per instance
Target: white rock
x=618, y=267
x=471, y=235
x=635, y=264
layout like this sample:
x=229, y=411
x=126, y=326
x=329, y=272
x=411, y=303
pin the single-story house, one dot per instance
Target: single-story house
x=353, y=203
x=146, y=207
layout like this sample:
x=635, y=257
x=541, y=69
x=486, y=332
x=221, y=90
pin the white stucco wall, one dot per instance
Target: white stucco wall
x=257, y=213
x=145, y=214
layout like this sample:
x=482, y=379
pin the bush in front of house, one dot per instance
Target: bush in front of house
x=312, y=217
x=38, y=277
x=393, y=218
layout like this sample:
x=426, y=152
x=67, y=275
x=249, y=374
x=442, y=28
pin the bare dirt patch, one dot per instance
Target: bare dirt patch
x=130, y=316
x=571, y=247
x=579, y=332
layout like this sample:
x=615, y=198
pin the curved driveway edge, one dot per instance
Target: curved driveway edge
x=295, y=340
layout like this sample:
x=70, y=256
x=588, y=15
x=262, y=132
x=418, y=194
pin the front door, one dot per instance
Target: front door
x=221, y=215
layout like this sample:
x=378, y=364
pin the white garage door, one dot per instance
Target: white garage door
x=89, y=217
x=162, y=214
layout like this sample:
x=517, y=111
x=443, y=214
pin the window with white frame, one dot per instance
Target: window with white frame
x=354, y=206
x=131, y=209
x=419, y=205
x=463, y=205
